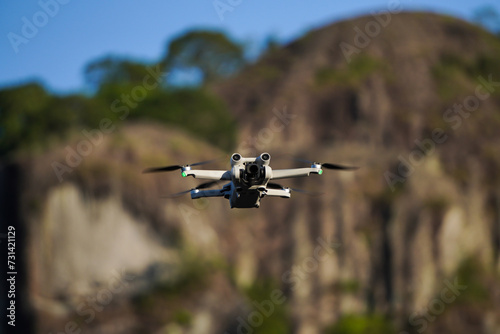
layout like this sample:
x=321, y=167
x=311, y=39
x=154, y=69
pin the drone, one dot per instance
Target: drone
x=249, y=179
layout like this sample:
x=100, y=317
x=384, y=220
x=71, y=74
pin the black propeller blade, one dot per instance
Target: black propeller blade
x=161, y=169
x=338, y=167
x=177, y=194
x=175, y=167
x=200, y=186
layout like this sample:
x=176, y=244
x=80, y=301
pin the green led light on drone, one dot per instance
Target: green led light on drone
x=183, y=174
x=320, y=172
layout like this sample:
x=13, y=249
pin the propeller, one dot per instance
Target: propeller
x=175, y=167
x=279, y=186
x=338, y=167
x=200, y=186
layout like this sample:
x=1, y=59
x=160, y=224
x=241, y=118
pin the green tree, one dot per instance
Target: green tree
x=361, y=324
x=21, y=116
x=30, y=117
x=111, y=70
x=196, y=110
x=213, y=54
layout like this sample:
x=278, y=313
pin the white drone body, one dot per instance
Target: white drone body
x=249, y=179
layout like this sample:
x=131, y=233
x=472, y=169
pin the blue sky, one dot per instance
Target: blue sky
x=73, y=32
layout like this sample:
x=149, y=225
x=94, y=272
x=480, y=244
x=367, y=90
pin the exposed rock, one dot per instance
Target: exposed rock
x=366, y=247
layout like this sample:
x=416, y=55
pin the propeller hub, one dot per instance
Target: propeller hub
x=316, y=165
x=184, y=169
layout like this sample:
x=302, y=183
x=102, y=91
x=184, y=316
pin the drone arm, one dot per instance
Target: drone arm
x=209, y=174
x=294, y=172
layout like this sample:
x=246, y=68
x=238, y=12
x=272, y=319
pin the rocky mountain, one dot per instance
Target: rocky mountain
x=410, y=242
x=415, y=102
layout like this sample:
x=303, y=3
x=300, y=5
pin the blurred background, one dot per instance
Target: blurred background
x=92, y=93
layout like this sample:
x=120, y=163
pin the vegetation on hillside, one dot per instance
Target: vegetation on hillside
x=123, y=90
x=335, y=96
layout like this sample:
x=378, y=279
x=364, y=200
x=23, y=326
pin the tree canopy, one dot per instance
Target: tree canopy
x=127, y=90
x=211, y=53
x=113, y=70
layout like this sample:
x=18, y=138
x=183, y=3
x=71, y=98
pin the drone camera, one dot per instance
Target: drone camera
x=264, y=159
x=252, y=169
x=235, y=159
x=253, y=174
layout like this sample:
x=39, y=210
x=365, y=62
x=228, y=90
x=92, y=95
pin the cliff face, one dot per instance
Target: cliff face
x=409, y=242
x=107, y=252
x=416, y=105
